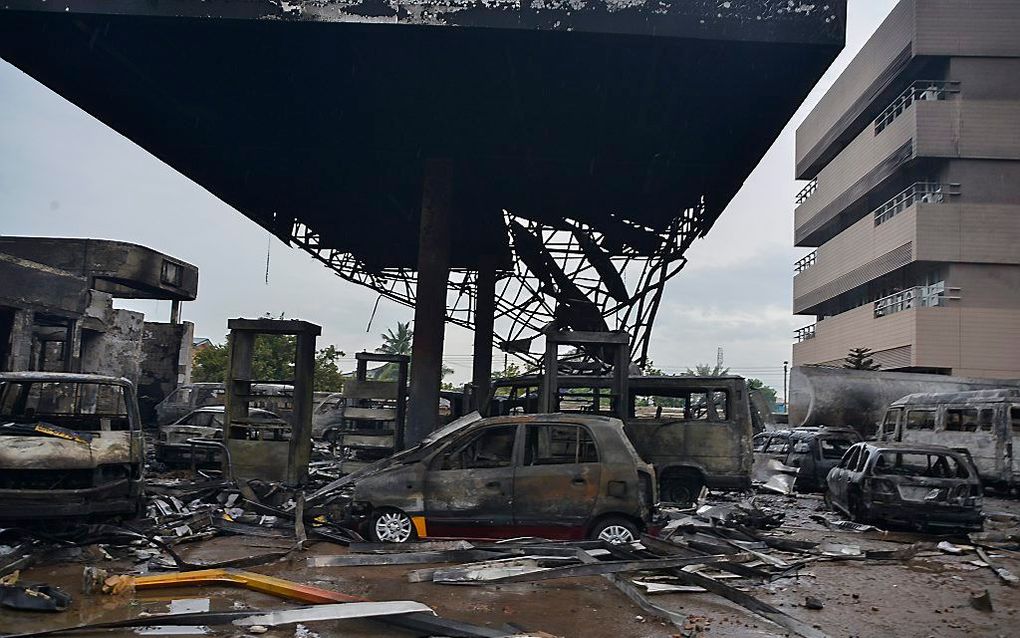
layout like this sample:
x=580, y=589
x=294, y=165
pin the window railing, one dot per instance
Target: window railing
x=920, y=91
x=805, y=333
x=918, y=192
x=916, y=297
x=806, y=192
x=806, y=262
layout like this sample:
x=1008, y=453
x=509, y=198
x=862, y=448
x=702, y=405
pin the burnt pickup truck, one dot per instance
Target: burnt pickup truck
x=70, y=446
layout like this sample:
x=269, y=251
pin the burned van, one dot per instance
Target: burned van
x=696, y=431
x=984, y=422
x=70, y=446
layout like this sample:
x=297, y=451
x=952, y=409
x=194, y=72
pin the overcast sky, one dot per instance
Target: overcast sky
x=63, y=173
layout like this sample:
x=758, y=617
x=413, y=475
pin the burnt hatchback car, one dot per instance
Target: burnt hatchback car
x=172, y=448
x=558, y=476
x=70, y=446
x=922, y=487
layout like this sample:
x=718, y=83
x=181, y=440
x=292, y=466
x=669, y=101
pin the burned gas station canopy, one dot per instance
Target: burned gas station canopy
x=323, y=112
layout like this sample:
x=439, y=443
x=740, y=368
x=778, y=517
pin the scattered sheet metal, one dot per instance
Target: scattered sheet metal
x=743, y=599
x=406, y=558
x=333, y=612
x=1004, y=574
x=468, y=576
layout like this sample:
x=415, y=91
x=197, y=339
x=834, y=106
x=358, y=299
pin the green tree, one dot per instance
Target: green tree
x=767, y=391
x=705, y=370
x=859, y=359
x=272, y=360
x=399, y=341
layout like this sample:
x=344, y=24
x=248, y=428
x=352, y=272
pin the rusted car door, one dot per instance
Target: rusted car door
x=469, y=486
x=558, y=480
x=839, y=476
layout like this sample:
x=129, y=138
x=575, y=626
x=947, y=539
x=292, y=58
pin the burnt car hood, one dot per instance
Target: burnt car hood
x=45, y=452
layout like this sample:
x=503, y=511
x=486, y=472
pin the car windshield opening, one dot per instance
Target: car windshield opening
x=75, y=405
x=920, y=464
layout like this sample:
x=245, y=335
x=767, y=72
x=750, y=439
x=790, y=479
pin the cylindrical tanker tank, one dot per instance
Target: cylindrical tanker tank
x=858, y=398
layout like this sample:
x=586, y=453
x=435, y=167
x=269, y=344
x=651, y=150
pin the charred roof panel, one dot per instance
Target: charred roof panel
x=324, y=112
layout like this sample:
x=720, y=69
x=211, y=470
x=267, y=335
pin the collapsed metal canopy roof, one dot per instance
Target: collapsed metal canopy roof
x=634, y=120
x=322, y=112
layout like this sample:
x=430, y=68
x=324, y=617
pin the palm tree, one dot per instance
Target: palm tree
x=398, y=342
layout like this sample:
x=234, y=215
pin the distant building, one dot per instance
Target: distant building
x=57, y=314
x=913, y=203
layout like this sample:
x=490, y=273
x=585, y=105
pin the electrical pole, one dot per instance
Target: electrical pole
x=786, y=401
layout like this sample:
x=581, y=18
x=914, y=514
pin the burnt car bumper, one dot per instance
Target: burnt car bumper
x=932, y=516
x=177, y=454
x=116, y=497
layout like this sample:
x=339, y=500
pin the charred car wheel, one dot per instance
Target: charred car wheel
x=617, y=531
x=392, y=526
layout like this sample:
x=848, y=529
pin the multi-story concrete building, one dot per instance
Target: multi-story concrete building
x=913, y=198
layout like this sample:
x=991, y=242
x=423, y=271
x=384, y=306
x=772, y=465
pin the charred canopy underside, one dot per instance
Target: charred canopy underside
x=319, y=116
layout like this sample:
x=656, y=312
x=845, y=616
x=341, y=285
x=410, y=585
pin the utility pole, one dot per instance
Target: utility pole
x=786, y=401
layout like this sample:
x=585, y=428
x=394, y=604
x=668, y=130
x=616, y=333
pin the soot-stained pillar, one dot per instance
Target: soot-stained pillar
x=430, y=300
x=485, y=310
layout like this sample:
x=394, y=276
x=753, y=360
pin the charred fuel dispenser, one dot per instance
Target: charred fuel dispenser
x=269, y=449
x=603, y=359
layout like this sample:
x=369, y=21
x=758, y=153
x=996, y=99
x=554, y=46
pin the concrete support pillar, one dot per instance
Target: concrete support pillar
x=485, y=311
x=430, y=300
x=175, y=311
x=301, y=424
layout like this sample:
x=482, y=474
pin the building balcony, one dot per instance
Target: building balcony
x=931, y=296
x=918, y=192
x=806, y=262
x=805, y=333
x=921, y=90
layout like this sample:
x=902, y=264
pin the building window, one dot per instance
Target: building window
x=171, y=273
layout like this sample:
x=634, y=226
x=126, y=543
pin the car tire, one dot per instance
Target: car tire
x=615, y=530
x=391, y=525
x=682, y=488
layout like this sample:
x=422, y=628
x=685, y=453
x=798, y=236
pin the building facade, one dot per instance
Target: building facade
x=912, y=204
x=57, y=312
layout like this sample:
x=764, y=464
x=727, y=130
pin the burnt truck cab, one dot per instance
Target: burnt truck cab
x=557, y=476
x=70, y=446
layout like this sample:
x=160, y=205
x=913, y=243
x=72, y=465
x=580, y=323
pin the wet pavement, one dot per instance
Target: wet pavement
x=928, y=595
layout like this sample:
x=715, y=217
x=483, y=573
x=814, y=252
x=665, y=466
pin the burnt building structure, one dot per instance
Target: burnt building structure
x=57, y=314
x=913, y=203
x=501, y=166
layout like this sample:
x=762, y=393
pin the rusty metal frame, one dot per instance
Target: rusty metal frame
x=523, y=306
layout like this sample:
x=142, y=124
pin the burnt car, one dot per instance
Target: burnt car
x=558, y=476
x=812, y=451
x=70, y=446
x=915, y=486
x=173, y=450
x=328, y=415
